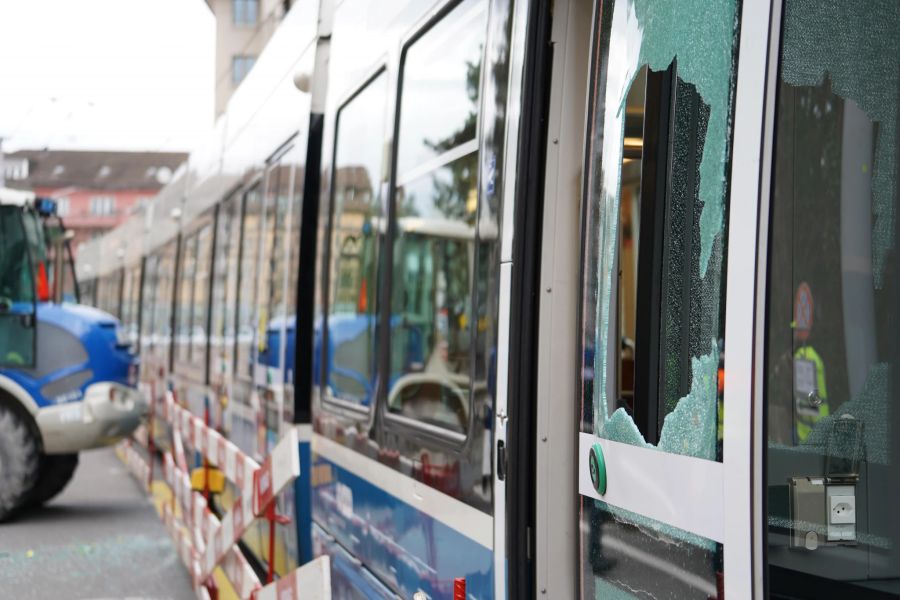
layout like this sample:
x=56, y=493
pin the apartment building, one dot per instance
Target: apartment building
x=243, y=27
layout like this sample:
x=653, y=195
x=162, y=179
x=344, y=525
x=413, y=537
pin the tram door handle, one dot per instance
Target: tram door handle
x=501, y=460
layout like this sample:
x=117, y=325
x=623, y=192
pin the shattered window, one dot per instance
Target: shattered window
x=833, y=299
x=654, y=316
x=654, y=272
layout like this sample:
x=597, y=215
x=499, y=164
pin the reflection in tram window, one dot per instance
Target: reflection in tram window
x=250, y=241
x=833, y=295
x=436, y=205
x=276, y=295
x=148, y=296
x=130, y=299
x=357, y=226
x=185, y=298
x=269, y=289
x=199, y=301
x=162, y=319
x=224, y=298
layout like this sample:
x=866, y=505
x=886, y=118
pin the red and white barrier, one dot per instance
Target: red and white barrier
x=203, y=541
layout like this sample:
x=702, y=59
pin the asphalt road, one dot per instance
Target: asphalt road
x=99, y=539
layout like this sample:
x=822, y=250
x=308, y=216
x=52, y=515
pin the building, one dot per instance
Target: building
x=243, y=27
x=95, y=191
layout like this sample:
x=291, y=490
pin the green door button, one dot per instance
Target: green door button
x=598, y=468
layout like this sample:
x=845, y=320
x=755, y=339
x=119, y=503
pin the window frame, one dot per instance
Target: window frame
x=430, y=434
x=239, y=17
x=255, y=185
x=230, y=207
x=191, y=367
x=106, y=203
x=149, y=267
x=246, y=63
x=278, y=250
x=330, y=402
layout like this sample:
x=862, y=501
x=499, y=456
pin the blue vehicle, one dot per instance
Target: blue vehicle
x=67, y=379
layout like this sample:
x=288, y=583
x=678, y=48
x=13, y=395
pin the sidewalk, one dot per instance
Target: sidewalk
x=101, y=538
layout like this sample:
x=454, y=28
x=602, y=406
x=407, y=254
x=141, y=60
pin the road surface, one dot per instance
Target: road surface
x=100, y=539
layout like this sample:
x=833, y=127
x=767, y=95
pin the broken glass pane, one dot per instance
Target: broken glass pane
x=855, y=45
x=691, y=59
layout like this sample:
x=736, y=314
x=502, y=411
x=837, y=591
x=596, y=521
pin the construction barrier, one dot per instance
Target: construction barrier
x=203, y=541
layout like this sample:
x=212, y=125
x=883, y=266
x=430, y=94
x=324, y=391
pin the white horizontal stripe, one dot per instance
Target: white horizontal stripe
x=683, y=491
x=437, y=162
x=453, y=513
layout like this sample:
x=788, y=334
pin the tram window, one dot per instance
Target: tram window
x=271, y=235
x=273, y=298
x=148, y=296
x=112, y=290
x=165, y=278
x=296, y=195
x=225, y=284
x=200, y=299
x=185, y=298
x=125, y=303
x=655, y=233
x=104, y=294
x=666, y=318
x=130, y=298
x=356, y=230
x=251, y=231
x=833, y=302
x=667, y=308
x=88, y=289
x=435, y=204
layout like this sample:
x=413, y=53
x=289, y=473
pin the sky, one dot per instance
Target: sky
x=106, y=74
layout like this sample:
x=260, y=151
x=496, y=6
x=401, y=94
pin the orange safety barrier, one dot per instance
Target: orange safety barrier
x=203, y=541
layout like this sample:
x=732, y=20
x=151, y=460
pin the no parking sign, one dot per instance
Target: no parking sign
x=803, y=311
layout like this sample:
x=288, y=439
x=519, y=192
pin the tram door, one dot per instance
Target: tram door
x=651, y=476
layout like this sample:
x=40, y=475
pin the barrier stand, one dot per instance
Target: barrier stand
x=202, y=540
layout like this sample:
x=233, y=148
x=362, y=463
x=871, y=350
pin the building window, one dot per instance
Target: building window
x=16, y=169
x=245, y=12
x=102, y=206
x=240, y=66
x=62, y=207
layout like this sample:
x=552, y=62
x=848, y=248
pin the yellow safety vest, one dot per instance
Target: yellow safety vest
x=812, y=414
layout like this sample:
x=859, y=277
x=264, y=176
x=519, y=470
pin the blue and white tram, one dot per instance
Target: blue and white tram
x=507, y=263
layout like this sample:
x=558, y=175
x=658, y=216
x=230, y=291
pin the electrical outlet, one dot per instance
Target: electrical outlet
x=841, y=513
x=843, y=509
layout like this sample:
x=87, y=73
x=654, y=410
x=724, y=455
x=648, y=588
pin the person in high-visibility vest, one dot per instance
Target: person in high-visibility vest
x=810, y=391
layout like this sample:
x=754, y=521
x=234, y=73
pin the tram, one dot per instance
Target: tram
x=567, y=299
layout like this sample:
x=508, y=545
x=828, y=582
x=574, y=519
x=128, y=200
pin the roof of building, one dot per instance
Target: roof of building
x=97, y=169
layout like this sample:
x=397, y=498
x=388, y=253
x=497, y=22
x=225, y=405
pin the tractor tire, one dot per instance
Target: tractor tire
x=55, y=474
x=20, y=460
